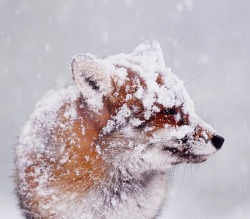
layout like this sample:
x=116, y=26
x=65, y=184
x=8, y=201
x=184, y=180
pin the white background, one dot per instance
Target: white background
x=205, y=42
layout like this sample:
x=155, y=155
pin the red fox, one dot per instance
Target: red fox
x=102, y=148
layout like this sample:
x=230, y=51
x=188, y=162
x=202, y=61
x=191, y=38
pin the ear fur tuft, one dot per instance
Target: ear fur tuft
x=92, y=79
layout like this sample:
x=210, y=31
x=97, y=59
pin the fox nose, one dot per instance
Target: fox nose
x=217, y=141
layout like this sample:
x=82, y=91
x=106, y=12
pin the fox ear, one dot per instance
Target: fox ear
x=151, y=52
x=92, y=79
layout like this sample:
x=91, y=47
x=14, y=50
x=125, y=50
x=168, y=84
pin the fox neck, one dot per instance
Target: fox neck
x=132, y=181
x=125, y=191
x=143, y=193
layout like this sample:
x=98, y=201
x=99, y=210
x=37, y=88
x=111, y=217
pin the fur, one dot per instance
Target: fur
x=103, y=148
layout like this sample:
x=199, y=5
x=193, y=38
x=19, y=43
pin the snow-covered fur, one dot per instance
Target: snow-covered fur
x=102, y=148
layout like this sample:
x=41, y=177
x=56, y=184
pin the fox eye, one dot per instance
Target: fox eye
x=170, y=111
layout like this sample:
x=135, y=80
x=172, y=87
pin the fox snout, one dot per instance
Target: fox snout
x=217, y=141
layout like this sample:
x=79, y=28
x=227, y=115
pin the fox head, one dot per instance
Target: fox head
x=151, y=114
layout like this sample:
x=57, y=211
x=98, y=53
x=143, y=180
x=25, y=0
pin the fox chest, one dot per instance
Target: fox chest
x=141, y=201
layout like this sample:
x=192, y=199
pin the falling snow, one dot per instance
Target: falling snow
x=205, y=43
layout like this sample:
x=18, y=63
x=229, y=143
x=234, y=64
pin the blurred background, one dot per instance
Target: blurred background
x=207, y=44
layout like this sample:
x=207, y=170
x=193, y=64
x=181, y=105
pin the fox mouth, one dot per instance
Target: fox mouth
x=184, y=155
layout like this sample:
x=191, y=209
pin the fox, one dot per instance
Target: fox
x=104, y=146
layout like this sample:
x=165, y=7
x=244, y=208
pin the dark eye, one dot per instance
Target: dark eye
x=142, y=126
x=170, y=111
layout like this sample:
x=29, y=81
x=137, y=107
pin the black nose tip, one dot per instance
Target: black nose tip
x=217, y=141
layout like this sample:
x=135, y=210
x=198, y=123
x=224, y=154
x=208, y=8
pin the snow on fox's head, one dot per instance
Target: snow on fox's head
x=148, y=104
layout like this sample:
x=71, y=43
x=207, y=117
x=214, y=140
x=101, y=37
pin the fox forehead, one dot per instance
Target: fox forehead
x=139, y=80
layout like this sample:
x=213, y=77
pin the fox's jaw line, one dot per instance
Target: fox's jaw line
x=169, y=150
